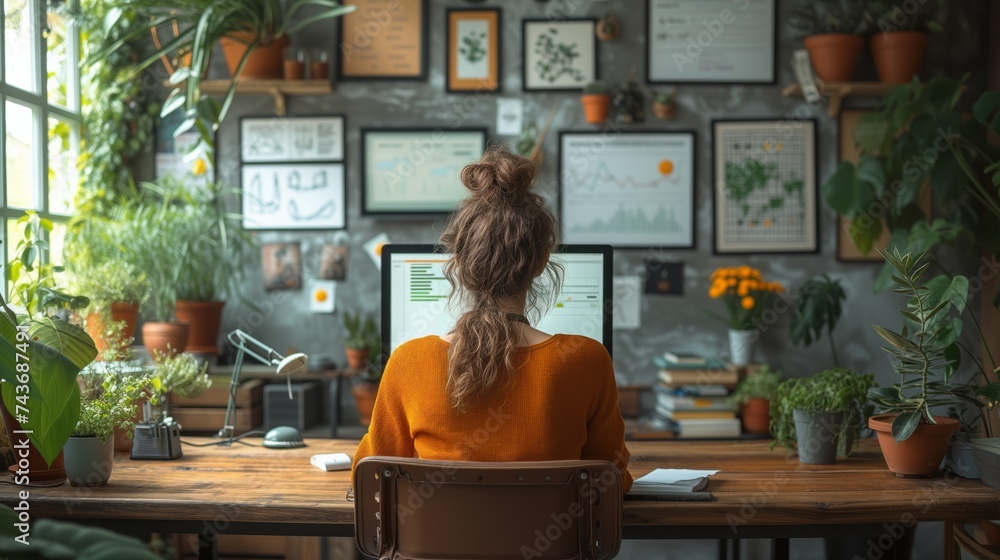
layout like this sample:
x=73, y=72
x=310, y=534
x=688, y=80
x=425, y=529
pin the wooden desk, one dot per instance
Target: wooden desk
x=759, y=494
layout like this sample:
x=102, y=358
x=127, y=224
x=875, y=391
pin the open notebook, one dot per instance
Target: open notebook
x=671, y=481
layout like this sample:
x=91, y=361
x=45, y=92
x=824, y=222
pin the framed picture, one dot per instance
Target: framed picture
x=473, y=50
x=559, y=55
x=281, y=265
x=383, y=40
x=293, y=196
x=412, y=172
x=636, y=189
x=697, y=42
x=764, y=186
x=291, y=139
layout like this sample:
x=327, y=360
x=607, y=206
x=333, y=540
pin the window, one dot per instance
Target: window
x=39, y=120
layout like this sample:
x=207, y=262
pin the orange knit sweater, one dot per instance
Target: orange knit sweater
x=561, y=404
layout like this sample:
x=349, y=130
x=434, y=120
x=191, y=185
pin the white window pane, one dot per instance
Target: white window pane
x=20, y=39
x=56, y=239
x=22, y=157
x=60, y=88
x=63, y=178
x=14, y=236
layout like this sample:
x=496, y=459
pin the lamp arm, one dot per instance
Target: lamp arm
x=239, y=339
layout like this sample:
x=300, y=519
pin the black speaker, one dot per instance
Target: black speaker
x=302, y=411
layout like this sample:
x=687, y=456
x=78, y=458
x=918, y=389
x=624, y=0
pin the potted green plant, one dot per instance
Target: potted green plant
x=108, y=403
x=365, y=385
x=178, y=374
x=832, y=32
x=253, y=34
x=608, y=27
x=664, y=105
x=41, y=355
x=899, y=40
x=926, y=353
x=362, y=338
x=813, y=415
x=596, y=102
x=753, y=395
x=817, y=309
x=116, y=289
x=746, y=296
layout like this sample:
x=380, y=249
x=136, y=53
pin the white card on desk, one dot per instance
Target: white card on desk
x=331, y=461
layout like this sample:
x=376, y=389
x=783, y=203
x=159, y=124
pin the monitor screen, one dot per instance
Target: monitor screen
x=415, y=294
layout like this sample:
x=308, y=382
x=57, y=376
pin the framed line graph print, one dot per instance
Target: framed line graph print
x=764, y=186
x=636, y=189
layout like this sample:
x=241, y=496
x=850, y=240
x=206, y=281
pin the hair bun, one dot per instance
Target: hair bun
x=500, y=176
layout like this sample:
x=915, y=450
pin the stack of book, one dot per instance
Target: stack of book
x=691, y=396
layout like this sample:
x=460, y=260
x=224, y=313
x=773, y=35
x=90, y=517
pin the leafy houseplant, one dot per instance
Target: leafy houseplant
x=177, y=374
x=365, y=385
x=40, y=356
x=754, y=395
x=253, y=33
x=362, y=340
x=817, y=308
x=664, y=105
x=746, y=296
x=832, y=33
x=107, y=404
x=926, y=352
x=58, y=539
x=116, y=289
x=814, y=414
x=596, y=102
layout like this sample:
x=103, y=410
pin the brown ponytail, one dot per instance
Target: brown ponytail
x=500, y=238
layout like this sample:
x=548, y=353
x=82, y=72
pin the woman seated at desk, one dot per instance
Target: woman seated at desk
x=495, y=388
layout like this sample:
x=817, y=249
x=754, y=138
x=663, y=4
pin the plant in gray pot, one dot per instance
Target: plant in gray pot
x=107, y=401
x=817, y=415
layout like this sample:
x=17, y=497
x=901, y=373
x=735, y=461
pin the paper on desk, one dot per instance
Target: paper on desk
x=673, y=476
x=627, y=309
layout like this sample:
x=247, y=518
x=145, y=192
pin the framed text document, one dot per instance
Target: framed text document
x=711, y=41
x=633, y=190
x=383, y=40
x=412, y=172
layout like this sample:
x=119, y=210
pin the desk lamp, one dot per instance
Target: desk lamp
x=281, y=436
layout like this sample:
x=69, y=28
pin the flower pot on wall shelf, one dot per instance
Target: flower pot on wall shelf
x=834, y=56
x=265, y=62
x=596, y=107
x=156, y=336
x=203, y=319
x=96, y=328
x=898, y=55
x=922, y=452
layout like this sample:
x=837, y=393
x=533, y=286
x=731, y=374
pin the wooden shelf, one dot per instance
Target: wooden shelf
x=835, y=92
x=278, y=89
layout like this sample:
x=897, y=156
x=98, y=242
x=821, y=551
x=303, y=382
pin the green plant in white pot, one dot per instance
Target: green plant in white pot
x=108, y=402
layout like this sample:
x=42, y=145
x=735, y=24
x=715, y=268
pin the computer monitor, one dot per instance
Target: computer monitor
x=415, y=294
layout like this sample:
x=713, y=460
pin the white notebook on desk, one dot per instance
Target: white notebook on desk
x=671, y=481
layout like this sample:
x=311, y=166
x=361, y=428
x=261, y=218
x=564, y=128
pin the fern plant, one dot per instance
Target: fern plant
x=832, y=390
x=818, y=308
x=926, y=349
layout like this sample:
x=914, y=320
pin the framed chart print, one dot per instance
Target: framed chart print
x=288, y=139
x=559, y=55
x=383, y=40
x=473, y=50
x=636, y=189
x=764, y=186
x=711, y=41
x=293, y=196
x=414, y=171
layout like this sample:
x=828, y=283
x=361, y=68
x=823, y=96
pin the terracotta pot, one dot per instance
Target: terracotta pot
x=357, y=358
x=596, y=107
x=203, y=319
x=921, y=453
x=663, y=110
x=39, y=470
x=898, y=55
x=608, y=28
x=756, y=415
x=364, y=399
x=126, y=312
x=834, y=55
x=266, y=62
x=156, y=336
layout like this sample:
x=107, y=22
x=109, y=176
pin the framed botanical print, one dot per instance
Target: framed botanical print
x=473, y=50
x=764, y=186
x=383, y=40
x=559, y=55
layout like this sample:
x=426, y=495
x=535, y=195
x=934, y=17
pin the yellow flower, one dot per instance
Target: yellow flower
x=747, y=303
x=714, y=293
x=199, y=167
x=744, y=288
x=743, y=272
x=715, y=274
x=755, y=274
x=732, y=282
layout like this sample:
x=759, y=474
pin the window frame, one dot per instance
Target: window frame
x=42, y=110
